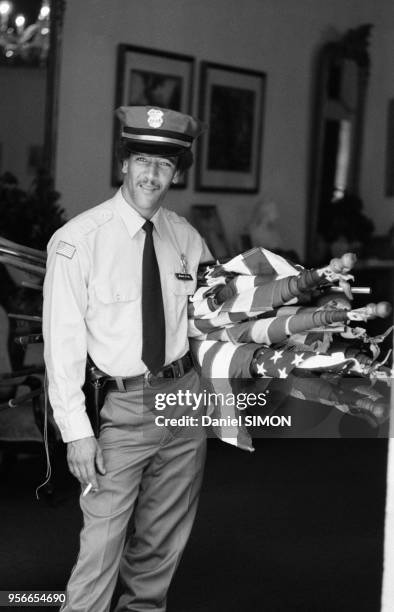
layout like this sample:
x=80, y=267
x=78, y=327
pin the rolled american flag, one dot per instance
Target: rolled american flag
x=248, y=319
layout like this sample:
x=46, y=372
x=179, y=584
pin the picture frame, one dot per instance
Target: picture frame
x=231, y=102
x=147, y=76
x=205, y=218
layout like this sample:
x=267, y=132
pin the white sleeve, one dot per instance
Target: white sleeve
x=65, y=303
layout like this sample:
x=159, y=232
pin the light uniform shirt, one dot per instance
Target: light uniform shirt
x=92, y=299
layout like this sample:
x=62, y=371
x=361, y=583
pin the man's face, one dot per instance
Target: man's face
x=146, y=181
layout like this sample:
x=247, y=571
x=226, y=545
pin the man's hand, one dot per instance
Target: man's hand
x=83, y=457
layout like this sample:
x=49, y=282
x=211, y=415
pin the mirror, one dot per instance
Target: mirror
x=342, y=75
x=30, y=38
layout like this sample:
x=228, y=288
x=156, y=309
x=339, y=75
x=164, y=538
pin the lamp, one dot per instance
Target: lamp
x=24, y=45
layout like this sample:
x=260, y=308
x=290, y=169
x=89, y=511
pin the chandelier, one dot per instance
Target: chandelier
x=22, y=44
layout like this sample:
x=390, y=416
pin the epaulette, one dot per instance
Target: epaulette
x=175, y=218
x=92, y=220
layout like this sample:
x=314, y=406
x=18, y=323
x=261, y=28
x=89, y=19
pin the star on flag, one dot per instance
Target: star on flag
x=261, y=371
x=298, y=359
x=282, y=373
x=277, y=355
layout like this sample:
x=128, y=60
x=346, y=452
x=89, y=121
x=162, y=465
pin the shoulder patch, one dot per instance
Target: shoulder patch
x=65, y=249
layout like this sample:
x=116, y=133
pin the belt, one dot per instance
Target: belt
x=176, y=369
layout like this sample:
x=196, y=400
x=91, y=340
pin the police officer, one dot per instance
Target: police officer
x=116, y=289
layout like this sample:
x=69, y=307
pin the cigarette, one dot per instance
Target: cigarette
x=86, y=491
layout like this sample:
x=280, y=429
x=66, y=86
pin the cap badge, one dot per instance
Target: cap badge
x=155, y=117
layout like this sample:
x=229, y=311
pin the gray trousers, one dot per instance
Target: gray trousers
x=154, y=473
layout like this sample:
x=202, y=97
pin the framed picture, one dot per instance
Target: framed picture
x=148, y=77
x=229, y=153
x=206, y=220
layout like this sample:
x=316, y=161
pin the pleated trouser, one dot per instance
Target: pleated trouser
x=154, y=474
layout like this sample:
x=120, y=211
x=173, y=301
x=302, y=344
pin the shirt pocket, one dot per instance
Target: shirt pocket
x=113, y=294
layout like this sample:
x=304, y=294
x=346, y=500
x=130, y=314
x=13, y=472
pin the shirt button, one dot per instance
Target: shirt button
x=105, y=215
x=117, y=297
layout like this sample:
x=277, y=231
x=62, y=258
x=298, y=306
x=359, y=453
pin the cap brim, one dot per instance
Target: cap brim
x=155, y=149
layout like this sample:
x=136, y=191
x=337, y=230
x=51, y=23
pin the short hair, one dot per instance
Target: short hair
x=184, y=160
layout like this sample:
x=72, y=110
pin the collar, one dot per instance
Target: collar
x=132, y=219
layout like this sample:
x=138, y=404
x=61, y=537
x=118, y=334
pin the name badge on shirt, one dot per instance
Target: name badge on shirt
x=184, y=275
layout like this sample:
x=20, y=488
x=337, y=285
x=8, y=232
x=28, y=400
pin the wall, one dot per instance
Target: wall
x=22, y=104
x=279, y=37
x=381, y=88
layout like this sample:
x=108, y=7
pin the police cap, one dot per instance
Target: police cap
x=158, y=131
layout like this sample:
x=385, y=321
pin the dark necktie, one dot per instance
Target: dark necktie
x=153, y=322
